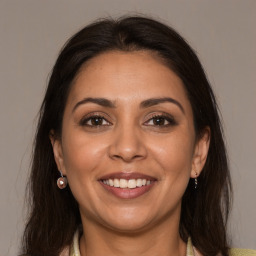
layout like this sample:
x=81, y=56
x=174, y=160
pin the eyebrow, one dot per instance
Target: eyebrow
x=100, y=101
x=155, y=101
x=144, y=104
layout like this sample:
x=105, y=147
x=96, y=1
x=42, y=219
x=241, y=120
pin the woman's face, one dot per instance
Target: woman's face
x=128, y=143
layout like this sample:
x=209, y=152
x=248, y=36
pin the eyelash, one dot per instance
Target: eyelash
x=84, y=121
x=162, y=117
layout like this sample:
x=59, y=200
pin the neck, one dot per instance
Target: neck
x=162, y=239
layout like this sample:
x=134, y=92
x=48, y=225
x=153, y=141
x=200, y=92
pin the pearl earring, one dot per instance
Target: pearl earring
x=62, y=181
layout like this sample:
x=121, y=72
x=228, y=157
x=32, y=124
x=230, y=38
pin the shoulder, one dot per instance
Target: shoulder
x=242, y=252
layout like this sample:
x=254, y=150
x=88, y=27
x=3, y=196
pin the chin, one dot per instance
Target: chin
x=127, y=223
x=129, y=226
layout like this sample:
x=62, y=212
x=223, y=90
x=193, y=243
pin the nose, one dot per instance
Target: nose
x=127, y=145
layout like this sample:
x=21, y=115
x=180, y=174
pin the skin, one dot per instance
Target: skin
x=129, y=139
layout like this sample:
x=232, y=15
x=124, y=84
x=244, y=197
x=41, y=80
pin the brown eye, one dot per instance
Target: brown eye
x=94, y=121
x=161, y=120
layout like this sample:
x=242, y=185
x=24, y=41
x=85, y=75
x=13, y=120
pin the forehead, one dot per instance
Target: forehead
x=127, y=75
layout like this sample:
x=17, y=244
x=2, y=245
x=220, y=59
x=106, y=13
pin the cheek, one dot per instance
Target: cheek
x=83, y=159
x=175, y=153
x=175, y=156
x=82, y=155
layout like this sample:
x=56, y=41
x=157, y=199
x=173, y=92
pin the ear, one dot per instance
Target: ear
x=57, y=151
x=200, y=153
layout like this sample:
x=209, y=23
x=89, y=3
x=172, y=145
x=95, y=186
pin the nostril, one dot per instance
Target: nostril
x=127, y=158
x=127, y=146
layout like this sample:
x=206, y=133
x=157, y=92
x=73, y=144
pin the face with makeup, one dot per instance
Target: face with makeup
x=128, y=145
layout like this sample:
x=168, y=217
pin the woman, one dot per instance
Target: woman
x=129, y=129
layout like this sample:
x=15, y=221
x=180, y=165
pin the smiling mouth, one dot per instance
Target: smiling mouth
x=127, y=185
x=124, y=183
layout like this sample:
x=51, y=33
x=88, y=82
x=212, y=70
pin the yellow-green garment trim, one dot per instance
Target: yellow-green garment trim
x=191, y=251
x=242, y=252
x=74, y=249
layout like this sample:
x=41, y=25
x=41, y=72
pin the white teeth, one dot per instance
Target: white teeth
x=116, y=183
x=139, y=182
x=111, y=182
x=132, y=183
x=123, y=183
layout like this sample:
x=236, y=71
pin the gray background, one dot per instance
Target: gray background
x=31, y=34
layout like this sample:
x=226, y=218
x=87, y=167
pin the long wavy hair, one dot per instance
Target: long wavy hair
x=54, y=214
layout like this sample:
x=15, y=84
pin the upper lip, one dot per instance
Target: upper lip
x=127, y=176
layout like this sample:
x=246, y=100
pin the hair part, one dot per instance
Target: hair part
x=54, y=215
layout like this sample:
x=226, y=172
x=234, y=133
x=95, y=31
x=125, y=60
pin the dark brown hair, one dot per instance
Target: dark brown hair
x=54, y=215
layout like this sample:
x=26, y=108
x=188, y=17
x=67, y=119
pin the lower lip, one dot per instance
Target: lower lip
x=126, y=193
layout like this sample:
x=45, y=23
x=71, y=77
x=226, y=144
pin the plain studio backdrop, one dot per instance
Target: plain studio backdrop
x=31, y=34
